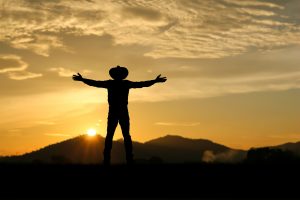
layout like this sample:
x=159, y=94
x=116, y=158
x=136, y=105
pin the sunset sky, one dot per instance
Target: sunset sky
x=233, y=69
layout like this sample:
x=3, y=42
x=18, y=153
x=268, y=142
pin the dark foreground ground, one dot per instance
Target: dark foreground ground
x=150, y=181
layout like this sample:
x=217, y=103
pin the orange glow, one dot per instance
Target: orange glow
x=91, y=132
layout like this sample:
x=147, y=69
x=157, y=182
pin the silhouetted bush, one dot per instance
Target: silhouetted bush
x=268, y=155
x=59, y=159
x=155, y=160
x=37, y=161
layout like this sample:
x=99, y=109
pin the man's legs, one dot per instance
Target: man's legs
x=125, y=124
x=112, y=122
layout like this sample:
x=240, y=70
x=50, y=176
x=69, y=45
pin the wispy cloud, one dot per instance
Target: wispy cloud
x=181, y=29
x=11, y=63
x=16, y=68
x=185, y=88
x=185, y=29
x=256, y=12
x=23, y=75
x=63, y=72
x=38, y=43
x=254, y=3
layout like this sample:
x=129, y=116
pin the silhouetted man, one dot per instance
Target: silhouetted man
x=118, y=90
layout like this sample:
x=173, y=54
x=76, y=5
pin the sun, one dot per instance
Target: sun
x=91, y=132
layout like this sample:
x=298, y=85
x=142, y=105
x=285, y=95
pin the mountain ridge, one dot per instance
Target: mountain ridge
x=168, y=149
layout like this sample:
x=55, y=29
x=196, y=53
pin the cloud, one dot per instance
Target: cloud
x=23, y=75
x=185, y=88
x=38, y=43
x=188, y=30
x=11, y=63
x=254, y=3
x=15, y=68
x=181, y=29
x=63, y=72
x=143, y=13
x=256, y=12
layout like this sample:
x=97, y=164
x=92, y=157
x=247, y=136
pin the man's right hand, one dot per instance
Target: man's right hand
x=77, y=77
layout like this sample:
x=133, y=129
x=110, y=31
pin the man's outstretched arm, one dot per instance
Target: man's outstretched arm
x=141, y=84
x=90, y=82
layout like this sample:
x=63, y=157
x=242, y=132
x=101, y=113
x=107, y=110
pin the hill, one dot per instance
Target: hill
x=179, y=149
x=167, y=149
x=290, y=146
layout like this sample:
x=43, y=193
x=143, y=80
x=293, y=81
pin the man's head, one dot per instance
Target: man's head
x=118, y=73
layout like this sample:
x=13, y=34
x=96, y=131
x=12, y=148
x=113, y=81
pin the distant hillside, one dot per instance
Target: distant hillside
x=293, y=147
x=167, y=149
x=179, y=149
x=81, y=149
